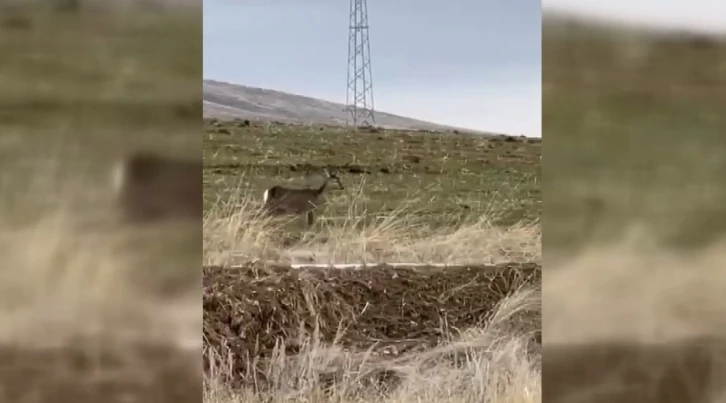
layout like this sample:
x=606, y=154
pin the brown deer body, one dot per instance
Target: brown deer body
x=151, y=187
x=280, y=200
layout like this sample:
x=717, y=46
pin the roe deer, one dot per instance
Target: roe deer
x=149, y=187
x=280, y=200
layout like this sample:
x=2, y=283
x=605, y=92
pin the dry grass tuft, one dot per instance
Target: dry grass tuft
x=63, y=269
x=235, y=232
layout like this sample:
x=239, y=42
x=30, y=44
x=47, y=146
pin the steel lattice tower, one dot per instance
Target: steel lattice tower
x=359, y=100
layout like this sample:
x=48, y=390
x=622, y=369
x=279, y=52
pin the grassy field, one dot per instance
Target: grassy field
x=634, y=124
x=634, y=213
x=78, y=88
x=371, y=335
x=435, y=175
x=405, y=192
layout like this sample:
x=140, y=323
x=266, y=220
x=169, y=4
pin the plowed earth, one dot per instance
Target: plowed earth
x=249, y=309
x=99, y=371
x=687, y=370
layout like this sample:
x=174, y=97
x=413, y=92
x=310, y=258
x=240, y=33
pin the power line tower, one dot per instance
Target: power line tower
x=359, y=100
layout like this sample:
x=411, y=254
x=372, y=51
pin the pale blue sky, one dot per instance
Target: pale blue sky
x=468, y=63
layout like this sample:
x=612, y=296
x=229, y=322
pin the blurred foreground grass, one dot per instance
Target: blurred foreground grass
x=77, y=89
x=635, y=132
x=635, y=205
x=80, y=88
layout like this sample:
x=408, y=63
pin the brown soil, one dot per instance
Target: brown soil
x=599, y=372
x=99, y=372
x=247, y=310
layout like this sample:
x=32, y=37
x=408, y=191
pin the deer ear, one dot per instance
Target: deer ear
x=325, y=170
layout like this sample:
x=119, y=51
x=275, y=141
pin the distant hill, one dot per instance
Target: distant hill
x=229, y=101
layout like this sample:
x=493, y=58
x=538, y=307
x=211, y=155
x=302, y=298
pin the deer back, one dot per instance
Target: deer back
x=286, y=200
x=152, y=186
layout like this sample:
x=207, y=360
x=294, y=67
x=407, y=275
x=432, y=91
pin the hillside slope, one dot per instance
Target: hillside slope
x=228, y=101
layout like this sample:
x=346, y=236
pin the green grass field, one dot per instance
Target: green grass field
x=443, y=179
x=634, y=128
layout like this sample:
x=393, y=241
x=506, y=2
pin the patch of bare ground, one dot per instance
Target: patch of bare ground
x=251, y=311
x=493, y=362
x=686, y=370
x=98, y=370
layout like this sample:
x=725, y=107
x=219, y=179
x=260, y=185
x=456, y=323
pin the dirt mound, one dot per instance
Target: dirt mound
x=89, y=371
x=619, y=371
x=247, y=310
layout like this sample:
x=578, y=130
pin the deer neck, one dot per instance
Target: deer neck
x=323, y=187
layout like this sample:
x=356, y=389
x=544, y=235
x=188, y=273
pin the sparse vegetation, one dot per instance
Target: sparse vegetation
x=82, y=314
x=370, y=335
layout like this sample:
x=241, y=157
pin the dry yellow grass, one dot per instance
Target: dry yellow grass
x=69, y=291
x=235, y=232
x=637, y=291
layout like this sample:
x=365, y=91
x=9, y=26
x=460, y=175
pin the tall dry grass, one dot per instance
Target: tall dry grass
x=69, y=274
x=235, y=231
x=77, y=326
x=636, y=290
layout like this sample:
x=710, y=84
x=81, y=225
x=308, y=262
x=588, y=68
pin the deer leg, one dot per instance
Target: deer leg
x=310, y=216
